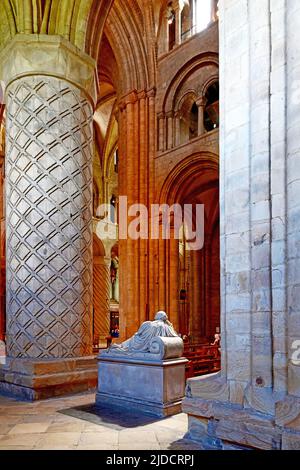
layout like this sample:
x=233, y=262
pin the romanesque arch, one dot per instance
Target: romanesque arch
x=193, y=180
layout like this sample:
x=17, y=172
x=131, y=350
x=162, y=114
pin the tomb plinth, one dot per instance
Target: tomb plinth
x=153, y=383
x=146, y=372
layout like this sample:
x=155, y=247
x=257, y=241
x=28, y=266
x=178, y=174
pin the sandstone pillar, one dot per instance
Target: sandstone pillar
x=196, y=295
x=152, y=142
x=49, y=145
x=259, y=181
x=137, y=134
x=172, y=269
x=201, y=106
x=161, y=125
x=166, y=31
x=101, y=296
x=177, y=10
x=208, y=314
x=177, y=129
x=129, y=254
x=169, y=130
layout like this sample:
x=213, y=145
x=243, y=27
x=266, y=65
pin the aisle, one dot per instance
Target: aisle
x=73, y=423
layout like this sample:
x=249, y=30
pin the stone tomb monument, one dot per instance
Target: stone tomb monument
x=146, y=372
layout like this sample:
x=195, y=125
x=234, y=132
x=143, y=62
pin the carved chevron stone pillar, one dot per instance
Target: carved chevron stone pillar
x=49, y=133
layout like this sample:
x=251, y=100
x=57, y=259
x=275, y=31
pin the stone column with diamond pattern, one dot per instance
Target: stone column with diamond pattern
x=49, y=135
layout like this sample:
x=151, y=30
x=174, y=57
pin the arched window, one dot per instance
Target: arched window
x=211, y=111
x=188, y=111
x=171, y=26
x=186, y=22
x=193, y=130
x=203, y=14
x=116, y=161
x=113, y=205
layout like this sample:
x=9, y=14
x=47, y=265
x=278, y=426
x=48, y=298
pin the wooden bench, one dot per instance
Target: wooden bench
x=201, y=366
x=203, y=359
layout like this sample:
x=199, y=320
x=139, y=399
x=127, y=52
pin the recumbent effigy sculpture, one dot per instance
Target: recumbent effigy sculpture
x=146, y=371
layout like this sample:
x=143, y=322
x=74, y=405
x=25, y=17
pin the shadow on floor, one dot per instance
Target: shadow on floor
x=114, y=418
x=184, y=444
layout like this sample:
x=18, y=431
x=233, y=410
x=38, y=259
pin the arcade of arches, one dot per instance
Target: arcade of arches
x=111, y=98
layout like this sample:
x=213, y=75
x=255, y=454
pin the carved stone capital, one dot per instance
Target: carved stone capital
x=151, y=93
x=130, y=98
x=34, y=54
x=201, y=101
x=142, y=95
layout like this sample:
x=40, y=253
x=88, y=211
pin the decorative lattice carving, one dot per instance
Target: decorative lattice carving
x=49, y=219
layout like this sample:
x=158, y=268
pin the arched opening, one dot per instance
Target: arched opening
x=200, y=276
x=203, y=12
x=211, y=111
x=196, y=273
x=186, y=21
x=196, y=16
x=193, y=128
x=171, y=27
x=188, y=112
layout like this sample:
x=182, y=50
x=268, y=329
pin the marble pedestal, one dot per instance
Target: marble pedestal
x=154, y=387
x=30, y=379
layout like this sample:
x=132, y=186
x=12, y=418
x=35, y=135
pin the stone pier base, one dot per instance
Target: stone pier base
x=152, y=387
x=217, y=423
x=30, y=379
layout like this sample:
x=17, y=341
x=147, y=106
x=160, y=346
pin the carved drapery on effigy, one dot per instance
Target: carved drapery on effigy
x=49, y=219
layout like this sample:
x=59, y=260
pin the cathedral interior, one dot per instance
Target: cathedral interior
x=170, y=103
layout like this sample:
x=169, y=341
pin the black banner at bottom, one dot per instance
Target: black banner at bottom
x=150, y=459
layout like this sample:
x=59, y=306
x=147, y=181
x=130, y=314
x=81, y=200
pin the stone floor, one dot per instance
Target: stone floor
x=73, y=423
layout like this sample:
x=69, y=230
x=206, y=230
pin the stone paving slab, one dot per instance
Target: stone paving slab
x=74, y=423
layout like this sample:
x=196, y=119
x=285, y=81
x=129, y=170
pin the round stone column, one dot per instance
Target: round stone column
x=49, y=146
x=49, y=230
x=201, y=106
x=196, y=301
